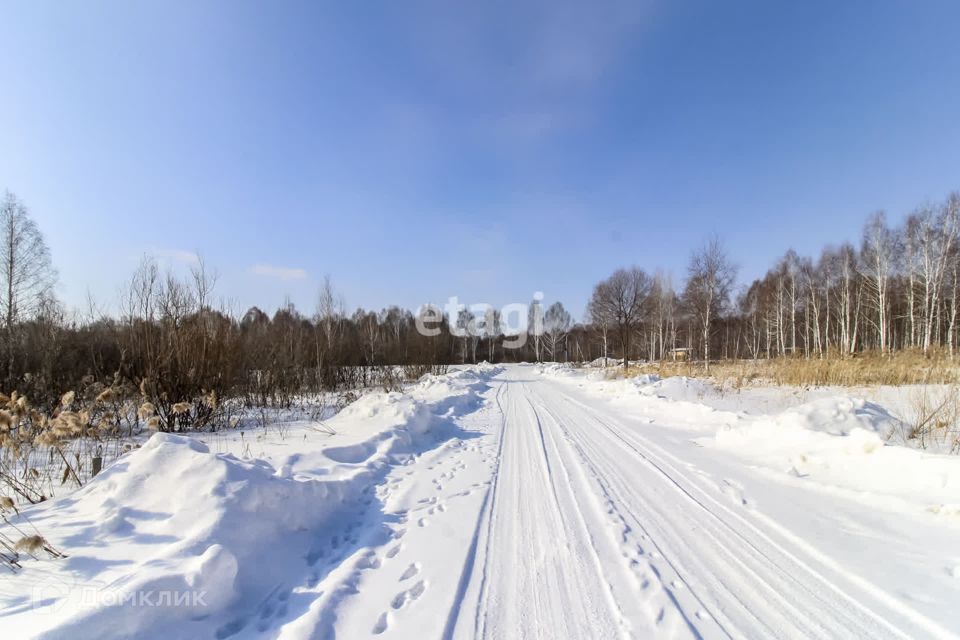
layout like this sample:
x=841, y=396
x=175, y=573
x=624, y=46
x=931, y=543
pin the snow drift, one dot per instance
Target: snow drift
x=828, y=438
x=172, y=536
x=844, y=442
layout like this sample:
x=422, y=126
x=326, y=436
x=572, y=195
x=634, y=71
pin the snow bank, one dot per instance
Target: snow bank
x=843, y=442
x=569, y=371
x=833, y=440
x=190, y=523
x=677, y=401
x=555, y=368
x=172, y=534
x=810, y=429
x=675, y=387
x=604, y=362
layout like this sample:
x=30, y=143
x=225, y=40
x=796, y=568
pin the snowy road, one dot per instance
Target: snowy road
x=588, y=527
x=594, y=531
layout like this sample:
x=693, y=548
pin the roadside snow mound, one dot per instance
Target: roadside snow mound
x=558, y=369
x=645, y=379
x=675, y=387
x=840, y=416
x=604, y=362
x=175, y=541
x=188, y=524
x=863, y=425
x=842, y=442
x=398, y=421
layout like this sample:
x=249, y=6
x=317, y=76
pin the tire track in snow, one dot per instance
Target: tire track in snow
x=489, y=502
x=752, y=582
x=546, y=560
x=750, y=592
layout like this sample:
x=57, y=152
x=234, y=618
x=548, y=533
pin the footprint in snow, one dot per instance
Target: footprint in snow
x=369, y=561
x=423, y=522
x=382, y=623
x=410, y=571
x=418, y=590
x=409, y=595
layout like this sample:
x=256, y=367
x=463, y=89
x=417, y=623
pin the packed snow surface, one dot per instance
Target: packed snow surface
x=513, y=502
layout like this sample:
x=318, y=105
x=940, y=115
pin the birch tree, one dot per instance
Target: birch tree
x=27, y=274
x=556, y=326
x=876, y=262
x=709, y=283
x=933, y=233
x=601, y=319
x=535, y=328
x=492, y=328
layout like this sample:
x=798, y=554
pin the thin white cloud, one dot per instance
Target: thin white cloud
x=176, y=255
x=280, y=273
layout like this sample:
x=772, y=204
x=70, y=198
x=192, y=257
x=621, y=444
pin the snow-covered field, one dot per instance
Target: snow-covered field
x=515, y=502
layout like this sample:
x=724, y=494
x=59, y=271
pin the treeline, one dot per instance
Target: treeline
x=898, y=289
x=171, y=346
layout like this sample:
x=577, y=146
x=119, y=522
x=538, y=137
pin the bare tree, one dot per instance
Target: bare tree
x=535, y=327
x=620, y=301
x=556, y=326
x=492, y=328
x=329, y=308
x=468, y=331
x=877, y=256
x=600, y=317
x=934, y=234
x=204, y=280
x=27, y=274
x=664, y=298
x=709, y=283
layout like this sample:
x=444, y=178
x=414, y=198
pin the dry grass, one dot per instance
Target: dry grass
x=868, y=369
x=19, y=539
x=931, y=419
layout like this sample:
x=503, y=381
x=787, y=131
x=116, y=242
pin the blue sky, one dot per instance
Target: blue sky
x=418, y=150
